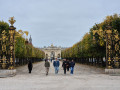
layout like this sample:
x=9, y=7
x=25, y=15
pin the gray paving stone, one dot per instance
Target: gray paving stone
x=84, y=78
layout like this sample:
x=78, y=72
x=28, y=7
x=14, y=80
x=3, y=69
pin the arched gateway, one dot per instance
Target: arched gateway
x=52, y=52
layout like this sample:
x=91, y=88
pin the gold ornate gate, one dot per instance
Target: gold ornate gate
x=112, y=39
x=7, y=50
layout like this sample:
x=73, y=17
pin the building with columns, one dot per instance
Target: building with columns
x=52, y=52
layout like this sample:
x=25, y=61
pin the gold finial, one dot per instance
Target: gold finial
x=26, y=32
x=52, y=45
x=12, y=21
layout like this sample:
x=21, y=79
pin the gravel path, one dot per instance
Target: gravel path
x=84, y=78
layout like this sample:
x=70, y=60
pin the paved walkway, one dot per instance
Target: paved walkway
x=84, y=78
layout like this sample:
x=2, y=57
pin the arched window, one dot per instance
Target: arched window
x=52, y=55
x=46, y=56
x=58, y=56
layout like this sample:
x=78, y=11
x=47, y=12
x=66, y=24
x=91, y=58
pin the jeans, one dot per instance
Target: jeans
x=72, y=69
x=56, y=70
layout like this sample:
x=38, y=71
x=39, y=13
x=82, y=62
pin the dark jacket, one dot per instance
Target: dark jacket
x=30, y=65
x=64, y=65
x=72, y=64
x=47, y=64
x=56, y=63
x=68, y=64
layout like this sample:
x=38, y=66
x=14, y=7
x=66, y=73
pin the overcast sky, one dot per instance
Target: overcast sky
x=61, y=22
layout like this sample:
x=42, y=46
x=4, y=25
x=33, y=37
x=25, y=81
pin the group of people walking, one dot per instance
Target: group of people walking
x=56, y=63
x=66, y=64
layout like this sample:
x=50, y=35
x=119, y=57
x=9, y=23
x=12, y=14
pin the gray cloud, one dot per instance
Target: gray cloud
x=61, y=22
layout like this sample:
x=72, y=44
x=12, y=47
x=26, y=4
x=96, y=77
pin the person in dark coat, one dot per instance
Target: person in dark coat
x=64, y=65
x=68, y=65
x=47, y=65
x=72, y=64
x=30, y=66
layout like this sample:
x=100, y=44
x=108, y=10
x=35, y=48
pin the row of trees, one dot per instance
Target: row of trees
x=23, y=49
x=91, y=51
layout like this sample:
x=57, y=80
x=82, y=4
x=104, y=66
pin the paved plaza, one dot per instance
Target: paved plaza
x=84, y=78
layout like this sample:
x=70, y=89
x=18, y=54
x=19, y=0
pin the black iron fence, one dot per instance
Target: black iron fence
x=99, y=62
x=24, y=61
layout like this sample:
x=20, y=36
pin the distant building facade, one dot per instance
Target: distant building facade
x=52, y=52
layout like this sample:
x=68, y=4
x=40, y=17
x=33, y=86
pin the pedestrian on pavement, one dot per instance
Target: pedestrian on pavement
x=56, y=65
x=64, y=65
x=68, y=65
x=45, y=60
x=47, y=65
x=30, y=66
x=72, y=64
x=51, y=59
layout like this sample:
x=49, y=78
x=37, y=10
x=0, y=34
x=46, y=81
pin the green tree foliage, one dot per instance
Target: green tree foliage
x=22, y=50
x=4, y=26
x=87, y=47
x=20, y=47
